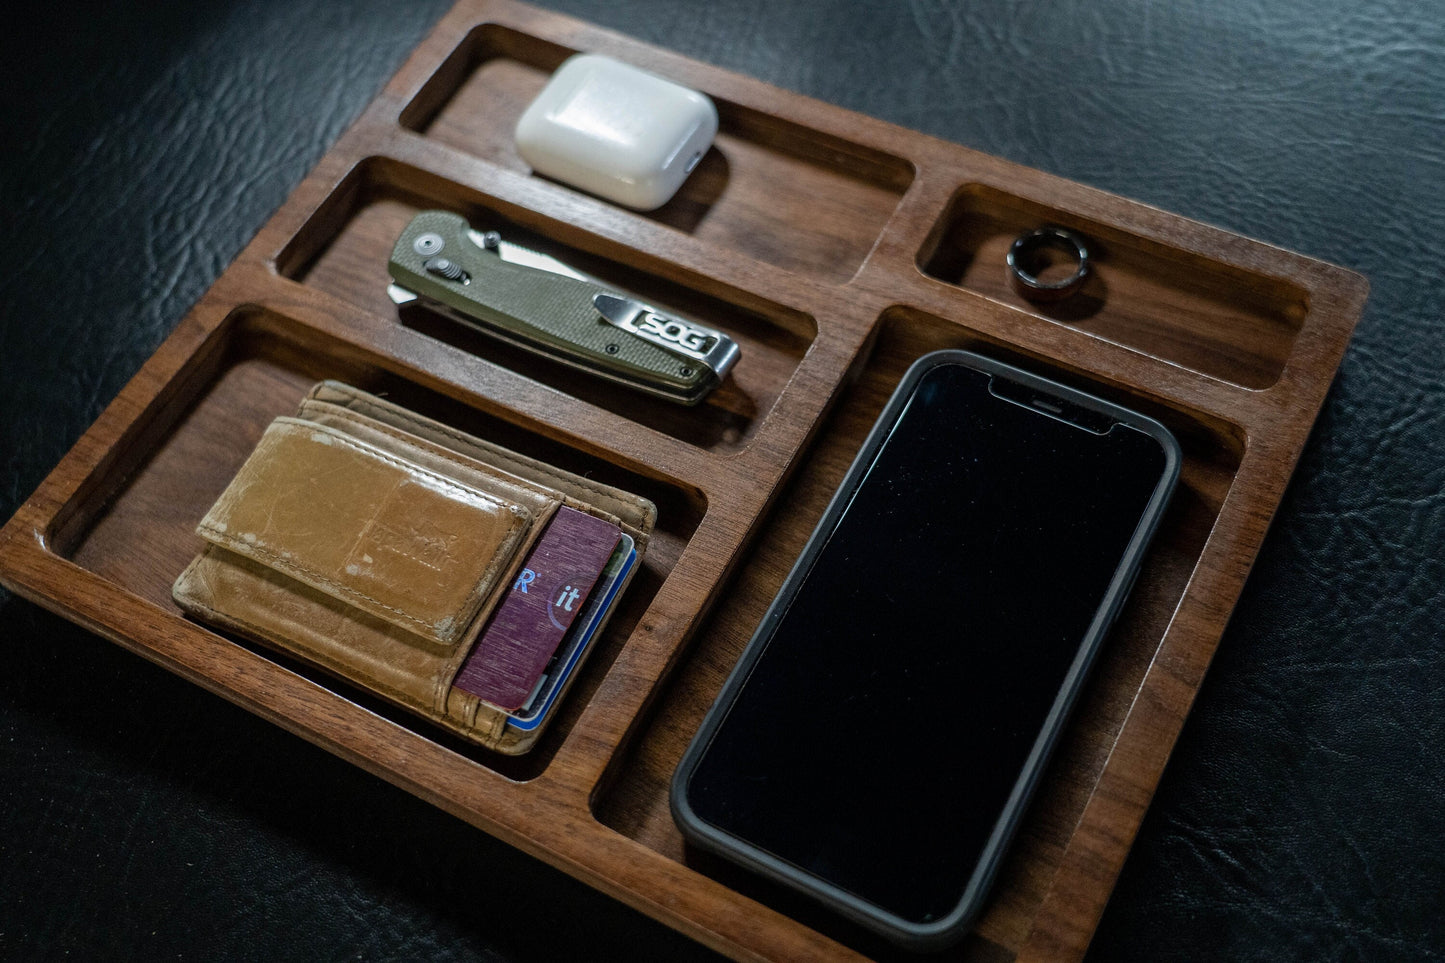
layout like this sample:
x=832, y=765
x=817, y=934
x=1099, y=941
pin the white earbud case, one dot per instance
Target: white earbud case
x=616, y=131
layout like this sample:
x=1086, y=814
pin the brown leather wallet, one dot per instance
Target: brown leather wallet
x=375, y=543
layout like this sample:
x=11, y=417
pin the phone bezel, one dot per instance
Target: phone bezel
x=946, y=930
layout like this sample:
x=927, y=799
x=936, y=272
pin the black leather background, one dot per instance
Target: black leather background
x=1301, y=817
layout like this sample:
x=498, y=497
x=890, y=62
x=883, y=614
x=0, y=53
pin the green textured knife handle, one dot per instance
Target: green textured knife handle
x=550, y=311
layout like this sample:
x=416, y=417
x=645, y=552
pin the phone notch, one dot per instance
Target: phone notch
x=1051, y=405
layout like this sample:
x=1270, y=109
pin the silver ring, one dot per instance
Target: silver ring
x=1024, y=263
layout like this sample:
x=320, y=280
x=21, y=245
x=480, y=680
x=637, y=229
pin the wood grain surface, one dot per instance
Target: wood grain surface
x=835, y=249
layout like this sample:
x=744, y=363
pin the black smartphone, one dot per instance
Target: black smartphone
x=884, y=729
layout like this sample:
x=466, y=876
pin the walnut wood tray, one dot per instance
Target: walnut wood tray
x=835, y=249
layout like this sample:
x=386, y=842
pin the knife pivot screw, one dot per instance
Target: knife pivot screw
x=444, y=268
x=428, y=244
x=612, y=347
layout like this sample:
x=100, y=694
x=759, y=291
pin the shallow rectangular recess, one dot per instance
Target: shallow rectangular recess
x=344, y=247
x=137, y=528
x=769, y=188
x=1215, y=318
x=633, y=798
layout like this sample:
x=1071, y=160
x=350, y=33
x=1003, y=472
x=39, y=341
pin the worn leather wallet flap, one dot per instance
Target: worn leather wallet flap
x=392, y=538
x=635, y=514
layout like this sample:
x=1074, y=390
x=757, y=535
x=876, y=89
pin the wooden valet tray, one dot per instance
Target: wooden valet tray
x=835, y=249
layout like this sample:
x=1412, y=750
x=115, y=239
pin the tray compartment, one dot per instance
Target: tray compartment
x=139, y=529
x=769, y=188
x=634, y=798
x=1218, y=319
x=343, y=250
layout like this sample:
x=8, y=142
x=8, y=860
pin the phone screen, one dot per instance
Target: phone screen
x=881, y=731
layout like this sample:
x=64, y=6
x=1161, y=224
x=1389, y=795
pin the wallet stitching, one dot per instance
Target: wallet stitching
x=291, y=568
x=488, y=737
x=341, y=668
x=294, y=570
x=452, y=457
x=600, y=493
x=618, y=499
x=386, y=457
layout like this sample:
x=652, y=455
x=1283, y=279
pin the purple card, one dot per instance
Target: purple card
x=528, y=625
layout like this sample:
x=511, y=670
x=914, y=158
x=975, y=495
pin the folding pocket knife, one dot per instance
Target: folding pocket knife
x=540, y=303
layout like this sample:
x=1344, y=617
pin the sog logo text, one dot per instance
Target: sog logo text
x=669, y=331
